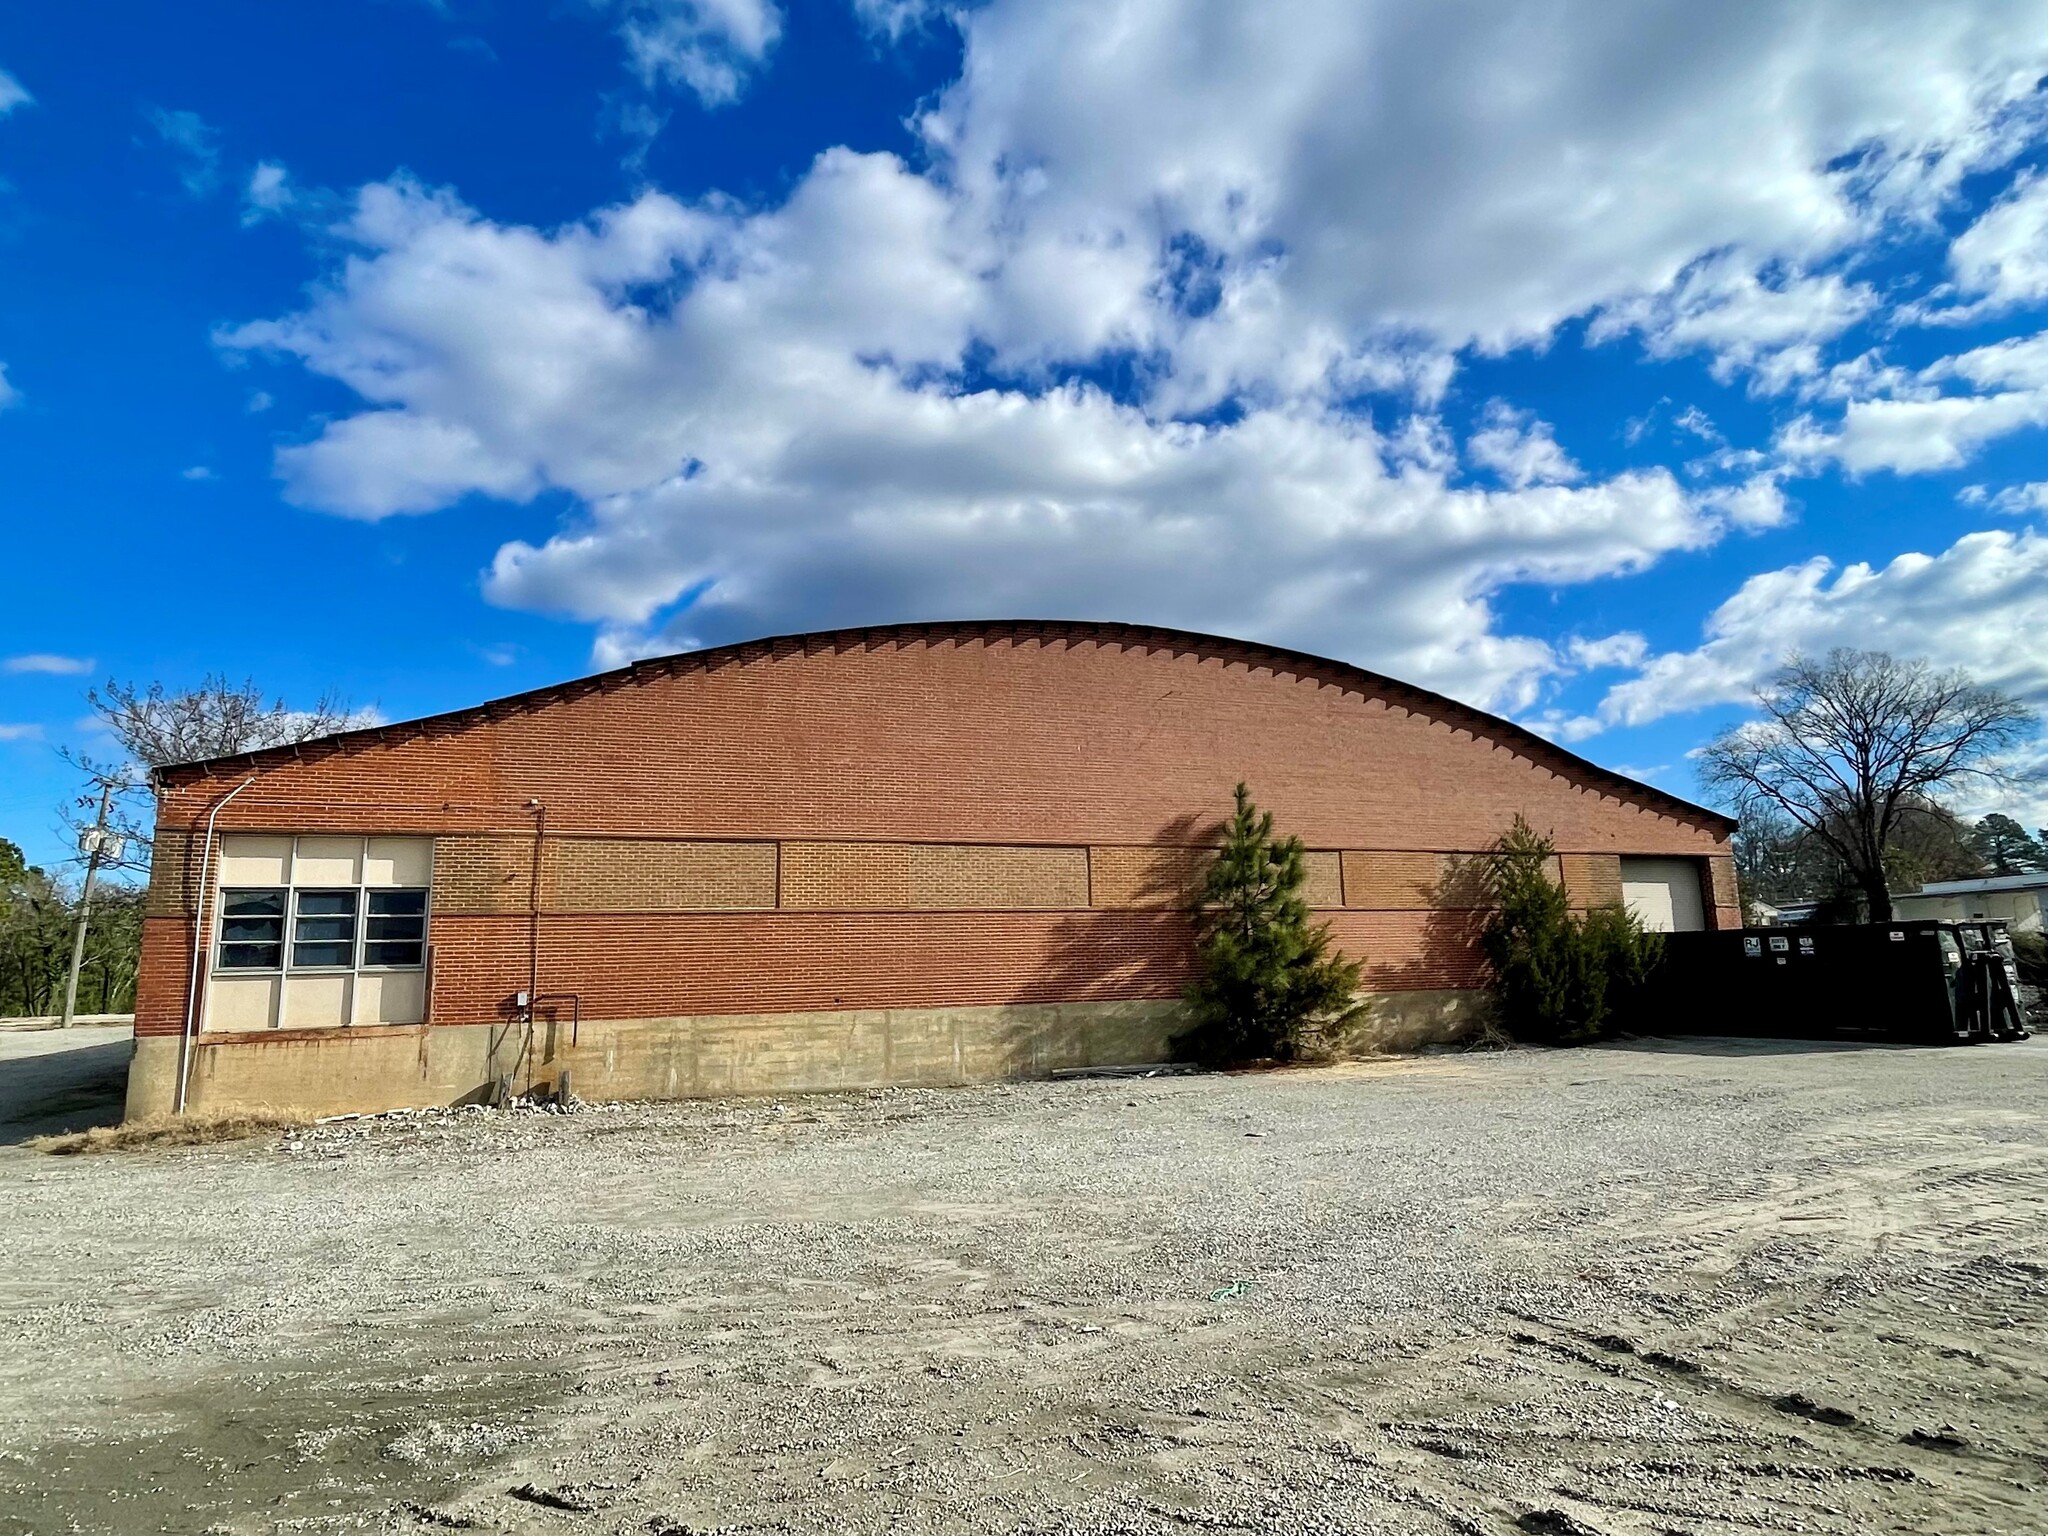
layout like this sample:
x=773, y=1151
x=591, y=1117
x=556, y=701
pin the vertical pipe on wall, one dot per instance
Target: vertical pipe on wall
x=199, y=937
x=540, y=832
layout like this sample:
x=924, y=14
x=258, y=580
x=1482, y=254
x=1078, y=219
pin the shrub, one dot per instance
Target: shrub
x=1559, y=978
x=1264, y=971
x=2030, y=951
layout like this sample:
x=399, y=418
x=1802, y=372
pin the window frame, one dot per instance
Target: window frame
x=358, y=962
x=355, y=929
x=223, y=917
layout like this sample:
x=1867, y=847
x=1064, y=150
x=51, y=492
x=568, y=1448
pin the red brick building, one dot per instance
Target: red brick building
x=920, y=853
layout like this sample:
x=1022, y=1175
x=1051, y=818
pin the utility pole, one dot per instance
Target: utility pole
x=95, y=843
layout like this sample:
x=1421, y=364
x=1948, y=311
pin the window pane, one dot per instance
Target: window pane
x=253, y=903
x=325, y=931
x=249, y=957
x=395, y=928
x=258, y=930
x=406, y=954
x=397, y=903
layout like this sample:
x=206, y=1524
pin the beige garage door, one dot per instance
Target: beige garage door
x=1664, y=894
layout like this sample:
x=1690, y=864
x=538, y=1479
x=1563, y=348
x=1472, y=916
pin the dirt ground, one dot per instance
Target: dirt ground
x=1691, y=1286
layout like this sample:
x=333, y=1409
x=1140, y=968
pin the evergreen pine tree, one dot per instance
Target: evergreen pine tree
x=1264, y=971
x=1558, y=978
x=1528, y=938
x=2005, y=847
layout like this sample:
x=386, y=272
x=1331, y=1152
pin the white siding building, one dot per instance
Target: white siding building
x=2019, y=899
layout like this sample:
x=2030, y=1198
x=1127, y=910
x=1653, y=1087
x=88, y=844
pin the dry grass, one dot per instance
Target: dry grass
x=193, y=1130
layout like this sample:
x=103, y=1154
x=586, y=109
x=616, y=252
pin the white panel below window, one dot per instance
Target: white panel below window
x=315, y=1002
x=391, y=997
x=241, y=1002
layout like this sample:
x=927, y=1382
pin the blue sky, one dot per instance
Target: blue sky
x=1578, y=360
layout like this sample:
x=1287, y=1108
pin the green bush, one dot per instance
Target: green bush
x=1559, y=977
x=2030, y=951
x=1264, y=971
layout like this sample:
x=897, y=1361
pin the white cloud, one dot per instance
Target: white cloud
x=1769, y=326
x=869, y=399
x=259, y=401
x=385, y=462
x=197, y=472
x=1520, y=449
x=2015, y=500
x=1697, y=422
x=1977, y=605
x=268, y=194
x=749, y=439
x=2019, y=362
x=710, y=47
x=1471, y=171
x=1626, y=649
x=1757, y=502
x=9, y=395
x=51, y=665
x=12, y=93
x=893, y=18
x=2001, y=259
x=20, y=732
x=197, y=145
x=1915, y=436
x=1912, y=428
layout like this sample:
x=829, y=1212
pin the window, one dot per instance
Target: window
x=397, y=931
x=319, y=930
x=252, y=930
x=324, y=929
x=340, y=906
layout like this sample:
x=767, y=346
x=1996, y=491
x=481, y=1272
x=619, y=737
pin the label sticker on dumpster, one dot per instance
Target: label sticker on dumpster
x=1781, y=945
x=1805, y=945
x=1898, y=934
x=1752, y=945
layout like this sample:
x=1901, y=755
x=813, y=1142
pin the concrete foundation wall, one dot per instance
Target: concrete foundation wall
x=371, y=1069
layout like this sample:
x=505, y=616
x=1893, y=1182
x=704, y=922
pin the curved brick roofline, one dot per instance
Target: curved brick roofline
x=1281, y=661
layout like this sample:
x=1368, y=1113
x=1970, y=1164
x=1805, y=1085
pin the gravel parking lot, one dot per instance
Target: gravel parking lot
x=1690, y=1286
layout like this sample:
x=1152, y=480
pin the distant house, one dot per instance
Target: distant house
x=2021, y=900
x=1787, y=914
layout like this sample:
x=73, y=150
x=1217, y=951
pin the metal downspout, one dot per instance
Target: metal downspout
x=199, y=944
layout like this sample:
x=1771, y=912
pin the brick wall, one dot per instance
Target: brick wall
x=655, y=875
x=1145, y=877
x=949, y=814
x=1592, y=879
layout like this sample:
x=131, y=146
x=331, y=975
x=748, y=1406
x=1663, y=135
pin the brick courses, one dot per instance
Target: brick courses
x=923, y=816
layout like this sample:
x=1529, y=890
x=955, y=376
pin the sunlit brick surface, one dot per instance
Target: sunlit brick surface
x=920, y=817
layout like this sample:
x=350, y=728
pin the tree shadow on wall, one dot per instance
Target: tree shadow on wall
x=1450, y=959
x=1142, y=946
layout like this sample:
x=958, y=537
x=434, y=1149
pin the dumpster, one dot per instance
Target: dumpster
x=1921, y=981
x=1990, y=986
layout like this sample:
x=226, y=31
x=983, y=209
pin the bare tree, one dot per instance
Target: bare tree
x=1771, y=865
x=154, y=728
x=1851, y=747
